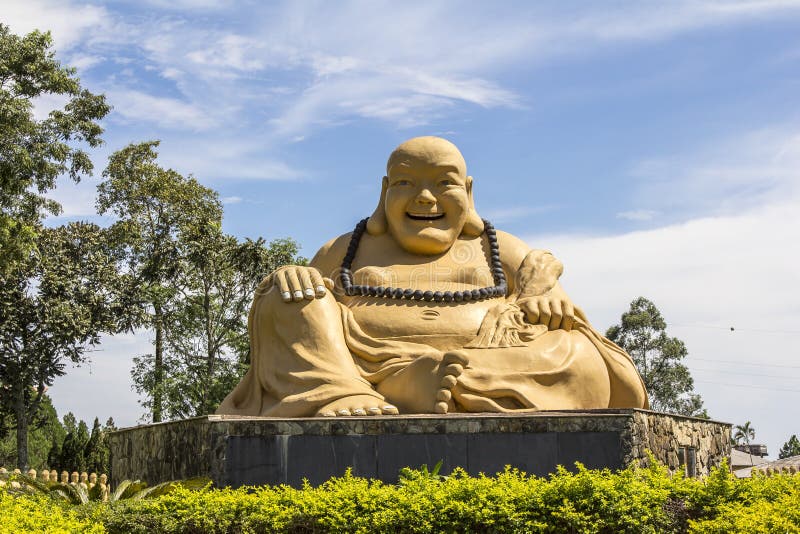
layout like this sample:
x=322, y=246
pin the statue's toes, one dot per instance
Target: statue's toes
x=444, y=395
x=448, y=381
x=441, y=407
x=390, y=409
x=458, y=357
x=454, y=369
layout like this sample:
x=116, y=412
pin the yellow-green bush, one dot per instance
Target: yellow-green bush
x=31, y=513
x=632, y=500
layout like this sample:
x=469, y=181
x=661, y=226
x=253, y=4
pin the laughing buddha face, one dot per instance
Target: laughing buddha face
x=428, y=195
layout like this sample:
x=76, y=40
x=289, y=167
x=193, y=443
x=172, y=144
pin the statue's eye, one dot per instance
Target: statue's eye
x=445, y=182
x=402, y=182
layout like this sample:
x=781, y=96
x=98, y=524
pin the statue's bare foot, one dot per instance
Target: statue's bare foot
x=424, y=385
x=452, y=366
x=357, y=405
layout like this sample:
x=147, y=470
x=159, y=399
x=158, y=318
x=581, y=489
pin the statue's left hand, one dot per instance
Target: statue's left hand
x=551, y=310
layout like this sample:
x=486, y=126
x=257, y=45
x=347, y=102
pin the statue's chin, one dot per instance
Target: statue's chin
x=427, y=242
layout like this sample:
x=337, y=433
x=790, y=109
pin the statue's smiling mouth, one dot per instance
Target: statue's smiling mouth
x=425, y=216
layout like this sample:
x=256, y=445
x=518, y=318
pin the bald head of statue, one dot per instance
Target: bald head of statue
x=426, y=198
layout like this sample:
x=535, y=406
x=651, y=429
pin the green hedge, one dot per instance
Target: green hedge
x=632, y=500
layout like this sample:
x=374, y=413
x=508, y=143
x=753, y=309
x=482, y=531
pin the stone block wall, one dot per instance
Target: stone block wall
x=665, y=435
x=234, y=450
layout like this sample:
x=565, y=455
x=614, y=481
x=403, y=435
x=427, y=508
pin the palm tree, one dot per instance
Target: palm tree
x=744, y=435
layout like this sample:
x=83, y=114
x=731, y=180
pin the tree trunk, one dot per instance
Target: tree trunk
x=21, y=416
x=158, y=365
x=204, y=407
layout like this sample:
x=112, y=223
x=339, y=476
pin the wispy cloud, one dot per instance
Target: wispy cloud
x=411, y=73
x=637, y=215
x=69, y=22
x=743, y=171
x=166, y=112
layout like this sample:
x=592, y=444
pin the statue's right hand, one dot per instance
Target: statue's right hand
x=296, y=283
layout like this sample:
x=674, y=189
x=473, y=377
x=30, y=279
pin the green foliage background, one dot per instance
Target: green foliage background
x=646, y=500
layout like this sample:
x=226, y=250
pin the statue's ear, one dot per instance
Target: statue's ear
x=377, y=223
x=473, y=226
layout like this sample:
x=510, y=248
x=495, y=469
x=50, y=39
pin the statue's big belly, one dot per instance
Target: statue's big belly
x=421, y=321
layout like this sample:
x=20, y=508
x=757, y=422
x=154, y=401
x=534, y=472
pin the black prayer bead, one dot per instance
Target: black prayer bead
x=372, y=291
x=448, y=296
x=397, y=293
x=438, y=296
x=483, y=292
x=476, y=294
x=418, y=294
x=408, y=293
x=466, y=295
x=428, y=295
x=380, y=290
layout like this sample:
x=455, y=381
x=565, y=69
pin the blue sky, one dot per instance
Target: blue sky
x=653, y=147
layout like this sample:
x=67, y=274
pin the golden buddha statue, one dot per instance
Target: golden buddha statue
x=426, y=308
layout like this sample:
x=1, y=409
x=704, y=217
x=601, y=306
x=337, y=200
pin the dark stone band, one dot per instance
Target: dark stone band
x=498, y=290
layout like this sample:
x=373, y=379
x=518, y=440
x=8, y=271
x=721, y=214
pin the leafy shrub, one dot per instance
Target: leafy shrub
x=635, y=500
x=36, y=513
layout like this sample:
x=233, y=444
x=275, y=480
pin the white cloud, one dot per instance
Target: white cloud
x=84, y=62
x=637, y=215
x=231, y=200
x=69, y=22
x=232, y=51
x=411, y=73
x=166, y=112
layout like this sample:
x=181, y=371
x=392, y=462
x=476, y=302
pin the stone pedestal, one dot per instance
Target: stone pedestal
x=236, y=451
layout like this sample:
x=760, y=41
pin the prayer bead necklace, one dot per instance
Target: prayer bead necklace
x=498, y=290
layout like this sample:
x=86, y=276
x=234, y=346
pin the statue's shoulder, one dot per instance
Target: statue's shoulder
x=512, y=250
x=331, y=254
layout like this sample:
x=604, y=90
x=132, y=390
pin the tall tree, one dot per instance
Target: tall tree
x=45, y=432
x=33, y=152
x=790, y=448
x=207, y=343
x=744, y=434
x=642, y=333
x=153, y=207
x=96, y=450
x=55, y=306
x=73, y=451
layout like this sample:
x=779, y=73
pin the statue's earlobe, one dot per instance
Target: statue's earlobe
x=473, y=226
x=377, y=224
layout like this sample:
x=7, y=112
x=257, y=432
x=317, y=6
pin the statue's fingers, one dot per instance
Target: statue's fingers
x=294, y=284
x=569, y=315
x=443, y=395
x=555, y=315
x=329, y=283
x=308, y=286
x=544, y=312
x=318, y=282
x=283, y=286
x=532, y=312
